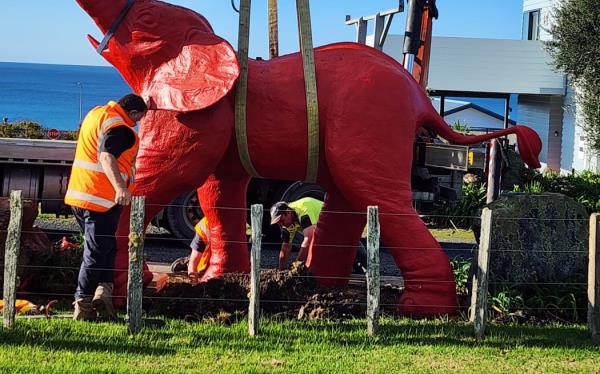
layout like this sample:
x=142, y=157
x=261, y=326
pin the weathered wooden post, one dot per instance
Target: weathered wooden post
x=11, y=255
x=136, y=250
x=594, y=279
x=256, y=215
x=480, y=279
x=373, y=283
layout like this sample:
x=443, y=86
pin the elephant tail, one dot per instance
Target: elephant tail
x=528, y=141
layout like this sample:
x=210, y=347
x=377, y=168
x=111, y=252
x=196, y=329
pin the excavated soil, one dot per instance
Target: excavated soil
x=286, y=294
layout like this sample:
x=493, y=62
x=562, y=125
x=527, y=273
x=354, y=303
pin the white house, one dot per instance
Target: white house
x=575, y=153
x=476, y=117
x=495, y=67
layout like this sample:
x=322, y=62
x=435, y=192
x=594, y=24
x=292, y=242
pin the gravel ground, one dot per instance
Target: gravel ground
x=160, y=246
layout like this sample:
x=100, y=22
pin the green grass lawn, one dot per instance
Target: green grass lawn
x=291, y=346
x=452, y=234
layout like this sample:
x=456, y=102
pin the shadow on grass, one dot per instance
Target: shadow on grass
x=352, y=334
x=76, y=339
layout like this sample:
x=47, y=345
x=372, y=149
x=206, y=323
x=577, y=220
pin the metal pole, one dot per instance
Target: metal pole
x=493, y=182
x=506, y=110
x=80, y=101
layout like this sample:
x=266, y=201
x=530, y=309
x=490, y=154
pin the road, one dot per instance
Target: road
x=162, y=248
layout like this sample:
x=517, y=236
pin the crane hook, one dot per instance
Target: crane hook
x=233, y=6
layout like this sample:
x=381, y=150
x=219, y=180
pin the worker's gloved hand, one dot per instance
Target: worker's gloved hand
x=194, y=278
x=122, y=196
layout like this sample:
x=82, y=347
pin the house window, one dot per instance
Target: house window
x=533, y=28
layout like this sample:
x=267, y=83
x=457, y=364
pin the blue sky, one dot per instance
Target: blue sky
x=45, y=31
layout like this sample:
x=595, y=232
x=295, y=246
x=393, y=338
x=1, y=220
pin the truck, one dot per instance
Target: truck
x=41, y=167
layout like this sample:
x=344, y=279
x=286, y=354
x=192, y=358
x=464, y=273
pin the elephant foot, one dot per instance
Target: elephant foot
x=428, y=301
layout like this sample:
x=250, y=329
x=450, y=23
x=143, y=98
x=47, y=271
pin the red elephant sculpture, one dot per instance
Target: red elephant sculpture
x=369, y=111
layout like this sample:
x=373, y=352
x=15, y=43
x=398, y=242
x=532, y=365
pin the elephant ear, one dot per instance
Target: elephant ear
x=202, y=72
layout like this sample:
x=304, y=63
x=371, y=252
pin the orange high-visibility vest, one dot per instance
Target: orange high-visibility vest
x=89, y=187
x=201, y=229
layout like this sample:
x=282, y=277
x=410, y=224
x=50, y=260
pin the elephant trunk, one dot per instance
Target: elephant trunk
x=102, y=12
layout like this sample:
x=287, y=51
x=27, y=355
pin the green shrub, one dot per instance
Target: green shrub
x=461, y=269
x=461, y=213
x=23, y=129
x=583, y=187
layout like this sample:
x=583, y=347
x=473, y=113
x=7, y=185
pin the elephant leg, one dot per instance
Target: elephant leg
x=223, y=200
x=428, y=278
x=169, y=164
x=336, y=239
x=429, y=281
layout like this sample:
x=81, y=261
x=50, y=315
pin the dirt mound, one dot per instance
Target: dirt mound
x=288, y=294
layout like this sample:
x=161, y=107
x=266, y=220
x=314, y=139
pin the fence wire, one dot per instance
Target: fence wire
x=397, y=282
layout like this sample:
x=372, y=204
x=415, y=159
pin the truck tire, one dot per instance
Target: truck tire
x=182, y=214
x=298, y=190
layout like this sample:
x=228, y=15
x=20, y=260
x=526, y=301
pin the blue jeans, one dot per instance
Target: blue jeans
x=99, y=248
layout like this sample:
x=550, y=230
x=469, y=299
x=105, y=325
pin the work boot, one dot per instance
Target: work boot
x=102, y=302
x=84, y=310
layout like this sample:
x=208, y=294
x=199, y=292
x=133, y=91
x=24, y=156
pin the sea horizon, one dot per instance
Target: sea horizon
x=56, y=95
x=59, y=95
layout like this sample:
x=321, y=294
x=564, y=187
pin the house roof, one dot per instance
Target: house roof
x=487, y=65
x=479, y=108
x=455, y=106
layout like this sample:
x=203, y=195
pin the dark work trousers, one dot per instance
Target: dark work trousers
x=360, y=261
x=99, y=248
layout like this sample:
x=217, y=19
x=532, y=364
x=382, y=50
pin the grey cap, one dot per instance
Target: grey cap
x=277, y=210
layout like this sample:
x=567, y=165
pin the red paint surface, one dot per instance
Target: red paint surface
x=369, y=111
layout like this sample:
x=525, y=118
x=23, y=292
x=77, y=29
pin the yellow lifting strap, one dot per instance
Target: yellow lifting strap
x=242, y=89
x=310, y=82
x=273, y=30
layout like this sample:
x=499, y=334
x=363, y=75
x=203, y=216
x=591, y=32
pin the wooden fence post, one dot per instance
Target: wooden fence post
x=480, y=279
x=373, y=283
x=594, y=279
x=256, y=216
x=136, y=250
x=11, y=255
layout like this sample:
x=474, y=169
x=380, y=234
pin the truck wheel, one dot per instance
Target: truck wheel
x=182, y=215
x=298, y=190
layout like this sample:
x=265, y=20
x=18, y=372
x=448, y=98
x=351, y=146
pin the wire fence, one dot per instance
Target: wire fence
x=482, y=305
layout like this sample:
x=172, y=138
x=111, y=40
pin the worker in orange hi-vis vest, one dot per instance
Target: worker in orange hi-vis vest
x=199, y=258
x=100, y=184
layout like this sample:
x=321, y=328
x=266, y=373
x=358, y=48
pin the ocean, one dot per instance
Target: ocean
x=56, y=95
x=51, y=94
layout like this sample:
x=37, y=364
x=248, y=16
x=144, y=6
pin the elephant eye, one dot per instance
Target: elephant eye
x=147, y=20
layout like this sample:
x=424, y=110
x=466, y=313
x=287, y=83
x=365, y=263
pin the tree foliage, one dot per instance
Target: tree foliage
x=575, y=47
x=31, y=130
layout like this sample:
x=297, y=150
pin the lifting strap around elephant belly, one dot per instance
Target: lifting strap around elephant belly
x=312, y=108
